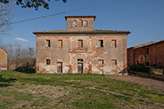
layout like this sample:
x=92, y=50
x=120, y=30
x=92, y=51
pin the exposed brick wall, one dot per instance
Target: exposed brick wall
x=130, y=56
x=154, y=57
x=3, y=59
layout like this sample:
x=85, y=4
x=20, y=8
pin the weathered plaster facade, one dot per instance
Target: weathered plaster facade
x=3, y=59
x=81, y=49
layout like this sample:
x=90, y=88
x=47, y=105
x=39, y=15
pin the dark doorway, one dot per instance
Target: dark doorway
x=59, y=67
x=80, y=65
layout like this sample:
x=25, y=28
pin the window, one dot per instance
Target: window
x=114, y=62
x=154, y=62
x=101, y=62
x=47, y=43
x=74, y=24
x=60, y=43
x=100, y=43
x=48, y=62
x=80, y=43
x=85, y=23
x=114, y=43
x=147, y=50
x=80, y=60
x=154, y=47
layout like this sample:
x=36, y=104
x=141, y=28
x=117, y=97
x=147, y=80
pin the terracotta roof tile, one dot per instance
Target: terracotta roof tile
x=82, y=32
x=146, y=44
x=91, y=16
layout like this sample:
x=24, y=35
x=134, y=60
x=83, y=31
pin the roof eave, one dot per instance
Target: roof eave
x=90, y=16
x=83, y=32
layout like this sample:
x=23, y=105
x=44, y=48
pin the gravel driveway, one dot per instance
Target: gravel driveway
x=159, y=85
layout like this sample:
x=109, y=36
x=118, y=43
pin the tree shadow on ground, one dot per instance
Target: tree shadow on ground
x=6, y=82
x=29, y=71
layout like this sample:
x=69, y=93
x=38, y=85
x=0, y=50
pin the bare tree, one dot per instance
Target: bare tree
x=19, y=58
x=28, y=57
x=5, y=15
x=18, y=55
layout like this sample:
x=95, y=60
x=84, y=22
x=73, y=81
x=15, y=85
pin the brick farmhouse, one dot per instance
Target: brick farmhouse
x=81, y=49
x=150, y=54
x=3, y=59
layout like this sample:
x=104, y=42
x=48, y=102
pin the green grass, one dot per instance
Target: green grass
x=72, y=91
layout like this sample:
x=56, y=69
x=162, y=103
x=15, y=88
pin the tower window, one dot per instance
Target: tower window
x=74, y=23
x=85, y=23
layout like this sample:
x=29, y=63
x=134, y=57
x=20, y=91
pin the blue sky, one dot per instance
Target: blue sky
x=144, y=18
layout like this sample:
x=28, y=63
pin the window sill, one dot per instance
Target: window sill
x=80, y=48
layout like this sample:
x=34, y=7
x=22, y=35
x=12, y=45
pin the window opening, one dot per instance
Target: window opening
x=114, y=62
x=48, y=62
x=147, y=50
x=60, y=43
x=80, y=60
x=80, y=43
x=85, y=23
x=101, y=61
x=100, y=43
x=114, y=43
x=47, y=43
x=74, y=23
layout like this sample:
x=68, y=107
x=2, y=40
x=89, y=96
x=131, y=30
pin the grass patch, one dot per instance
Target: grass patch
x=73, y=91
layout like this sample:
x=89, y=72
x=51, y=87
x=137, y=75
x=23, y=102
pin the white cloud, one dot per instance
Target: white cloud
x=21, y=39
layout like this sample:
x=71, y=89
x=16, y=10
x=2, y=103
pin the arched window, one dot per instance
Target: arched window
x=74, y=23
x=80, y=23
x=85, y=23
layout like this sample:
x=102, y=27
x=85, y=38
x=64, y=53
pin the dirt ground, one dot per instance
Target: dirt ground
x=159, y=85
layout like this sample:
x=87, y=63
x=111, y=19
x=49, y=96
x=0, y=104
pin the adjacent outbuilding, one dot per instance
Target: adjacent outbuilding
x=3, y=59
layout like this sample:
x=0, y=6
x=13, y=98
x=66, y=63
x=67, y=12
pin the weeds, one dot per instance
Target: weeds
x=72, y=91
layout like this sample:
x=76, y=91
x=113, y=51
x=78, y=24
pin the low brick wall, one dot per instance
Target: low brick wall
x=158, y=77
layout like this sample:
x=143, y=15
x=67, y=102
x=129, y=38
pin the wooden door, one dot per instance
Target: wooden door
x=80, y=67
x=59, y=67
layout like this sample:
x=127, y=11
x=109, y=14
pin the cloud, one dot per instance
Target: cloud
x=21, y=39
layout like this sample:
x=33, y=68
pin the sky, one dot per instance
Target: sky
x=143, y=18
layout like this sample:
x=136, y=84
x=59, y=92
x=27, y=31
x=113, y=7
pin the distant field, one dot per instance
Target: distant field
x=61, y=91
